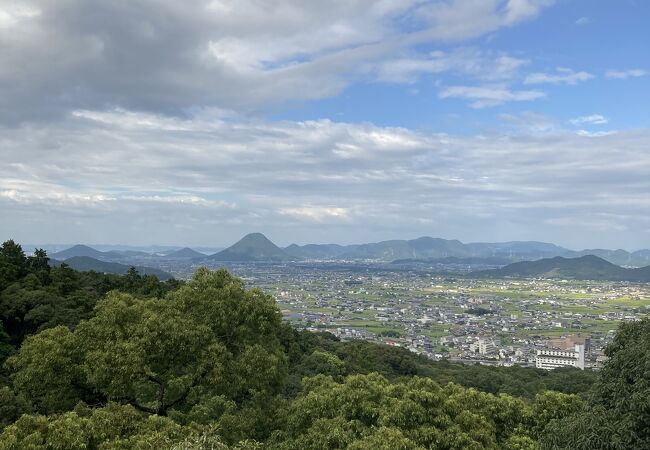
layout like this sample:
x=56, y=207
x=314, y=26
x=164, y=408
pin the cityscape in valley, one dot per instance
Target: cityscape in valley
x=467, y=303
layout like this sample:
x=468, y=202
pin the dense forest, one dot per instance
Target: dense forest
x=96, y=361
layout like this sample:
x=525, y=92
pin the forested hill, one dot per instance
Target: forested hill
x=95, y=361
x=185, y=253
x=86, y=264
x=584, y=268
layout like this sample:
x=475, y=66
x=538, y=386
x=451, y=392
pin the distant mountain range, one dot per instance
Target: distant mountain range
x=86, y=264
x=587, y=267
x=256, y=247
x=428, y=248
x=84, y=250
x=425, y=248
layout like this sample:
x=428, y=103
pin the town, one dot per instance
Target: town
x=445, y=315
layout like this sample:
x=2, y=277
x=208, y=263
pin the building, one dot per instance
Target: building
x=551, y=359
x=483, y=346
x=569, y=342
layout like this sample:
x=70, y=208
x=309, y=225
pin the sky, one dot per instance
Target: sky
x=195, y=122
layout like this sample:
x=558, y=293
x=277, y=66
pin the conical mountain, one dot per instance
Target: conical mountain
x=253, y=247
x=77, y=250
x=84, y=250
x=185, y=253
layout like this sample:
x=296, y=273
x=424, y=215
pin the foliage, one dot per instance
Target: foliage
x=394, y=362
x=110, y=362
x=618, y=413
x=208, y=339
x=369, y=411
x=35, y=296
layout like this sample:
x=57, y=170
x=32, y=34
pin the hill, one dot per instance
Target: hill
x=424, y=247
x=79, y=250
x=185, y=253
x=86, y=264
x=429, y=248
x=587, y=267
x=518, y=250
x=619, y=257
x=253, y=247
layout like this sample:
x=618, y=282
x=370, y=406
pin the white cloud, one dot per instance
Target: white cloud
x=592, y=222
x=587, y=133
x=461, y=19
x=593, y=119
x=36, y=196
x=486, y=96
x=13, y=12
x=131, y=177
x=624, y=74
x=583, y=21
x=562, y=75
x=244, y=55
x=464, y=61
x=319, y=214
x=530, y=123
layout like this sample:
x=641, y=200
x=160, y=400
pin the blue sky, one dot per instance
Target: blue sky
x=193, y=123
x=590, y=36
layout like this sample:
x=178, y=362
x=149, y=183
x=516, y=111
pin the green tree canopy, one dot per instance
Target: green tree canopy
x=208, y=339
x=618, y=413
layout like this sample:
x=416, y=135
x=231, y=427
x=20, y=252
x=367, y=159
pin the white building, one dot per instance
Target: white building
x=551, y=359
x=484, y=347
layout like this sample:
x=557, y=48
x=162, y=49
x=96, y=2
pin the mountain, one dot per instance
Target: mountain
x=428, y=248
x=84, y=250
x=86, y=264
x=318, y=251
x=253, y=247
x=517, y=250
x=587, y=267
x=643, y=256
x=184, y=253
x=619, y=257
x=424, y=247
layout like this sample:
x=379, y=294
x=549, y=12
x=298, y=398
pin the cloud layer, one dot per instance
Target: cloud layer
x=211, y=178
x=246, y=55
x=148, y=122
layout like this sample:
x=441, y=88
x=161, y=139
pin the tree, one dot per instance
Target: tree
x=48, y=372
x=208, y=339
x=146, y=353
x=39, y=264
x=368, y=411
x=617, y=415
x=34, y=296
x=13, y=263
x=624, y=383
x=6, y=348
x=12, y=406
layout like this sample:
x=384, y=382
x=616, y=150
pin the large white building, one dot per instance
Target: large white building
x=551, y=359
x=483, y=346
